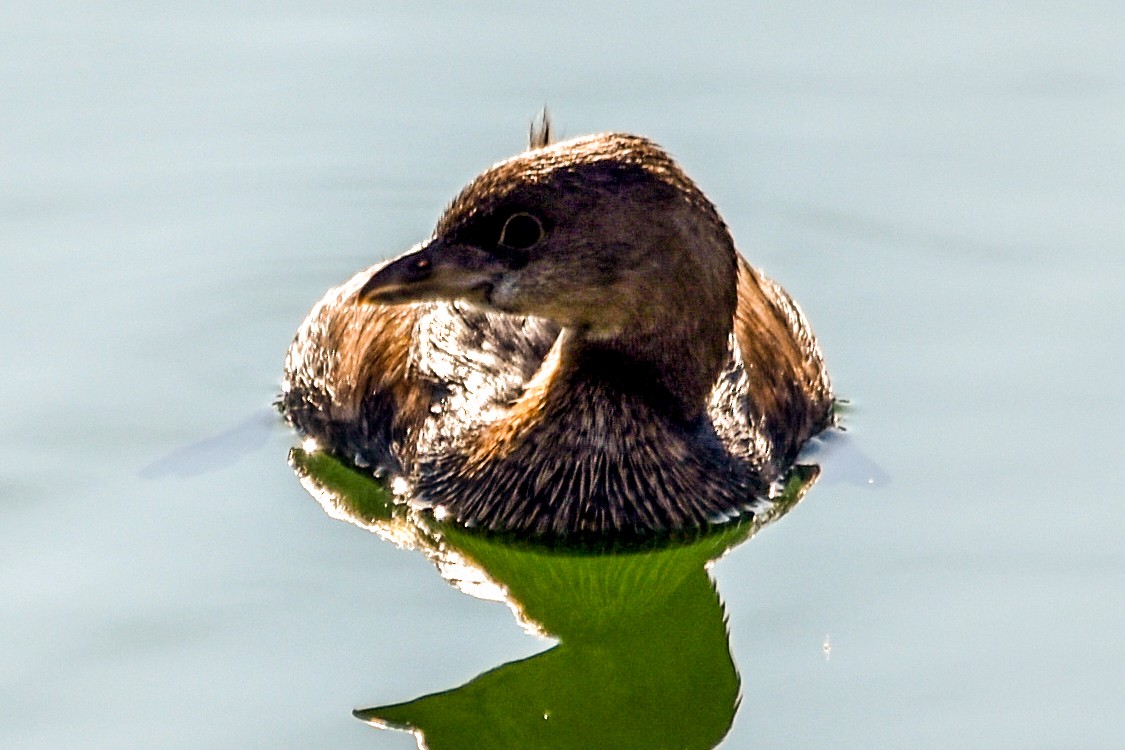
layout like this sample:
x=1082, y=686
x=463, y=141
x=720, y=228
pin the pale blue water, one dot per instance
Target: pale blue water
x=942, y=189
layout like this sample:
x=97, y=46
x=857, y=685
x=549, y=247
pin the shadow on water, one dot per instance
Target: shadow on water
x=643, y=659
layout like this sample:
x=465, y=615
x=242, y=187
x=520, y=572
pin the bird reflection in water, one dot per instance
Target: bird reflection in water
x=642, y=659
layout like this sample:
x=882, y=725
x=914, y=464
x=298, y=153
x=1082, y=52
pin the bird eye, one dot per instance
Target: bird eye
x=521, y=231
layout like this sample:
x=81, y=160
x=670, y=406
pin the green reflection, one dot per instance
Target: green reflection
x=643, y=659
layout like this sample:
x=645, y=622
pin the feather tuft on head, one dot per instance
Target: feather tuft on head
x=539, y=134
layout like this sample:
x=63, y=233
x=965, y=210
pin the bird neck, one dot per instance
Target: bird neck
x=671, y=364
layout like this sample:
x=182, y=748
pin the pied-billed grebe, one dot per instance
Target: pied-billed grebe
x=577, y=348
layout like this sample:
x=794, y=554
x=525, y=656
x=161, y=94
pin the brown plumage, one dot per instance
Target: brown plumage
x=577, y=348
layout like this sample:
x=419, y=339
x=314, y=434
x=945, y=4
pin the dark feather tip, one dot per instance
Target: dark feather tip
x=539, y=134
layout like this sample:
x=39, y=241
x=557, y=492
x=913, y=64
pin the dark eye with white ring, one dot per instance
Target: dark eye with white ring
x=521, y=231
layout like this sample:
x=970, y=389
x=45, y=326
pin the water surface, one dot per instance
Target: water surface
x=940, y=189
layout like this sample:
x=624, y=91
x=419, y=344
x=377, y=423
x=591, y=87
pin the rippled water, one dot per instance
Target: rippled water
x=940, y=188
